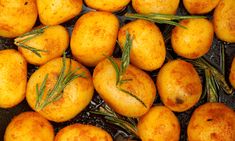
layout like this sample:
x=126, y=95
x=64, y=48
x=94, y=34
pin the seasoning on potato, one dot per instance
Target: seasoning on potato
x=179, y=85
x=80, y=132
x=94, y=37
x=232, y=73
x=60, y=89
x=148, y=49
x=13, y=76
x=212, y=122
x=159, y=124
x=194, y=41
x=54, y=12
x=17, y=17
x=29, y=126
x=155, y=6
x=224, y=20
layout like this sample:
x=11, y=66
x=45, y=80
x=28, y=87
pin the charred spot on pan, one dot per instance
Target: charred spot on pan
x=179, y=101
x=26, y=3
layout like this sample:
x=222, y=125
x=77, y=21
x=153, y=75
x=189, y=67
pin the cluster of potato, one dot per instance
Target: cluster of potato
x=93, y=39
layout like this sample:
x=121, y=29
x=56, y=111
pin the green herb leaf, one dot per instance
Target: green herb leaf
x=115, y=66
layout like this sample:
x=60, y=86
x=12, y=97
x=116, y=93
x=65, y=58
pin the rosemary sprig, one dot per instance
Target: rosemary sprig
x=211, y=88
x=21, y=40
x=56, y=93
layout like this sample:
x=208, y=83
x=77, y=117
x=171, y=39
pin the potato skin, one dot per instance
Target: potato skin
x=155, y=6
x=141, y=85
x=54, y=12
x=159, y=124
x=224, y=20
x=94, y=37
x=212, y=122
x=179, y=85
x=148, y=50
x=195, y=41
x=82, y=132
x=29, y=126
x=13, y=76
x=232, y=74
x=76, y=95
x=17, y=17
x=107, y=5
x=200, y=6
x=54, y=40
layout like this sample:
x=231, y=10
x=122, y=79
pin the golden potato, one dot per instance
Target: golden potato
x=148, y=48
x=140, y=85
x=159, y=124
x=155, y=6
x=75, y=96
x=94, y=37
x=179, y=85
x=200, y=6
x=53, y=12
x=224, y=20
x=80, y=132
x=107, y=5
x=29, y=126
x=195, y=41
x=13, y=76
x=232, y=74
x=17, y=17
x=212, y=122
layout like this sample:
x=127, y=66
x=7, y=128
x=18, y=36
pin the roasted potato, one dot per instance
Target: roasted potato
x=17, y=17
x=94, y=37
x=148, y=48
x=75, y=96
x=212, y=122
x=13, y=76
x=80, y=132
x=179, y=85
x=224, y=20
x=232, y=74
x=29, y=126
x=195, y=41
x=54, y=12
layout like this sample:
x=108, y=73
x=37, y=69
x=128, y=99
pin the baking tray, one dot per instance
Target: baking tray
x=117, y=133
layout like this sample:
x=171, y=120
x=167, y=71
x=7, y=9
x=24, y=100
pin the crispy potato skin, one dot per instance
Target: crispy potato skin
x=179, y=85
x=155, y=6
x=17, y=17
x=148, y=50
x=107, y=5
x=54, y=40
x=29, y=126
x=195, y=41
x=54, y=12
x=141, y=85
x=200, y=6
x=232, y=74
x=224, y=20
x=94, y=37
x=212, y=122
x=76, y=95
x=13, y=76
x=80, y=132
x=159, y=124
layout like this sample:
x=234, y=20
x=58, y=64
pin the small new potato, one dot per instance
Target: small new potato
x=54, y=12
x=148, y=49
x=155, y=6
x=75, y=96
x=80, y=132
x=224, y=20
x=232, y=74
x=107, y=5
x=140, y=85
x=159, y=124
x=195, y=41
x=17, y=17
x=13, y=78
x=179, y=85
x=94, y=37
x=212, y=122
x=54, y=40
x=29, y=126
